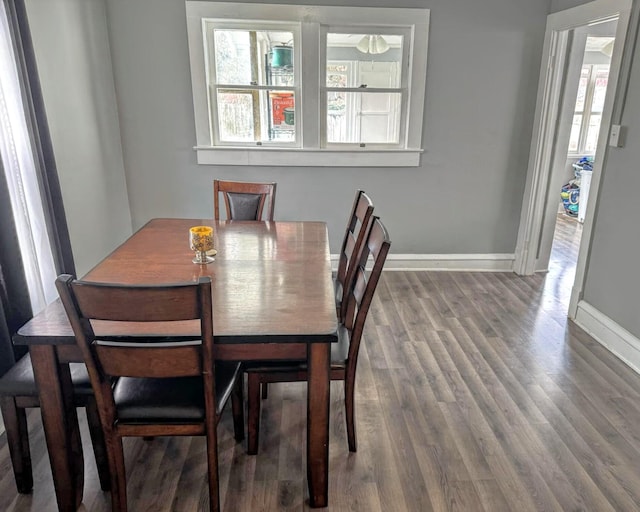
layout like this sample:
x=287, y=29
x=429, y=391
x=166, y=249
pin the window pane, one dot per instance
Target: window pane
x=364, y=60
x=582, y=88
x=592, y=133
x=253, y=57
x=235, y=116
x=600, y=90
x=253, y=116
x=282, y=116
x=354, y=117
x=232, y=57
x=338, y=74
x=574, y=138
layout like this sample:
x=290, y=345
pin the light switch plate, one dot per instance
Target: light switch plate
x=616, y=136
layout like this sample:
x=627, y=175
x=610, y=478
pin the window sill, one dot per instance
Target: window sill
x=308, y=157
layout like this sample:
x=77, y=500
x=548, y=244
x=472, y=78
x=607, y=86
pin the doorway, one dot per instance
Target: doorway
x=563, y=55
x=582, y=102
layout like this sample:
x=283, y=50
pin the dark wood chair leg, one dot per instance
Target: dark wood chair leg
x=212, y=463
x=253, y=412
x=99, y=447
x=349, y=406
x=115, y=452
x=15, y=424
x=237, y=407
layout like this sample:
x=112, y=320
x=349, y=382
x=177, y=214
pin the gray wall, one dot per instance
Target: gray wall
x=484, y=59
x=72, y=51
x=561, y=5
x=613, y=278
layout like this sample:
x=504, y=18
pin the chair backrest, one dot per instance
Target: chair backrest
x=359, y=299
x=133, y=354
x=353, y=239
x=244, y=200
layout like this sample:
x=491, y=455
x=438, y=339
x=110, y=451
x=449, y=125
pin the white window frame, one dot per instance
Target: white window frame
x=313, y=22
x=587, y=111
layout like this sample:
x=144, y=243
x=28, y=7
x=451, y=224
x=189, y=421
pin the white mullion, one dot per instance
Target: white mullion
x=286, y=88
x=313, y=97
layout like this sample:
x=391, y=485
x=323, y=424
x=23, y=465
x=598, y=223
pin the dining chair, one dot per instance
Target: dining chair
x=351, y=243
x=18, y=392
x=244, y=200
x=166, y=386
x=344, y=353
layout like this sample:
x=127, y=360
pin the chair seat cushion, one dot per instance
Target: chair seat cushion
x=337, y=286
x=174, y=400
x=340, y=350
x=339, y=358
x=20, y=381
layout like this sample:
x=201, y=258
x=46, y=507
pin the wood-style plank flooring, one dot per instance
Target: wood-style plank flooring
x=474, y=393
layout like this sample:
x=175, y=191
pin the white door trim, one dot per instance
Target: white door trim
x=552, y=73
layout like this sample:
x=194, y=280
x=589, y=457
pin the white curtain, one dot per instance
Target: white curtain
x=19, y=165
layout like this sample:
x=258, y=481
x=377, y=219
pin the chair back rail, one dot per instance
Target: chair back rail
x=136, y=303
x=149, y=362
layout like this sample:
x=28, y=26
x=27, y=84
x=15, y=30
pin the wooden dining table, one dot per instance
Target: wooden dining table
x=273, y=299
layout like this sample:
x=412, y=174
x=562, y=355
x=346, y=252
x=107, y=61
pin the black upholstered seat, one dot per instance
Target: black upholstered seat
x=20, y=381
x=174, y=400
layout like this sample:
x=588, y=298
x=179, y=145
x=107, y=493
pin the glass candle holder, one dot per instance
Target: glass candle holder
x=201, y=241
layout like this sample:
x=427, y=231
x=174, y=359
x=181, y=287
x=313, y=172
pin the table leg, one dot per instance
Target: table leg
x=318, y=424
x=60, y=422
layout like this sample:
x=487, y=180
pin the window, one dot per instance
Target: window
x=587, y=117
x=294, y=85
x=252, y=83
x=365, y=88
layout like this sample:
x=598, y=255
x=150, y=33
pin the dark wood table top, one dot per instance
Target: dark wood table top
x=271, y=281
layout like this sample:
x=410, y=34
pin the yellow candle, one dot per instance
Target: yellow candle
x=201, y=238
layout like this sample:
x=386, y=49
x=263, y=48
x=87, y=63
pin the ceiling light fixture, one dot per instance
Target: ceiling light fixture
x=373, y=44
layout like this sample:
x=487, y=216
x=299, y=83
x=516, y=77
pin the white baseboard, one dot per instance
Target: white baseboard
x=468, y=262
x=609, y=334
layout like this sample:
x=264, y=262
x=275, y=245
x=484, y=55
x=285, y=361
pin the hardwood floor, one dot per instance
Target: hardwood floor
x=474, y=393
